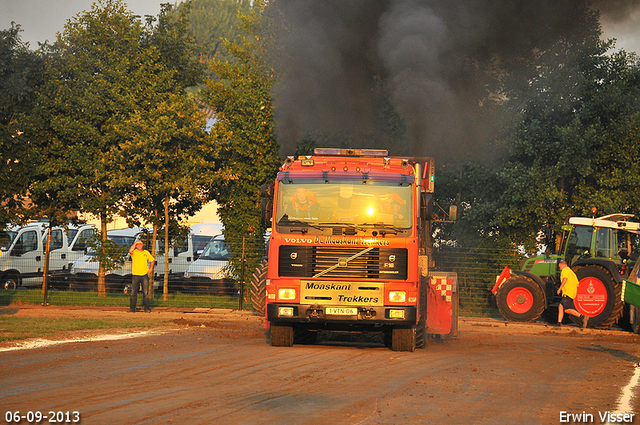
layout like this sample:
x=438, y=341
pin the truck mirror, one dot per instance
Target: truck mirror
x=453, y=212
x=426, y=206
x=266, y=212
x=266, y=190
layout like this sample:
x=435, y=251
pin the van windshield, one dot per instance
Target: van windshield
x=216, y=249
x=6, y=239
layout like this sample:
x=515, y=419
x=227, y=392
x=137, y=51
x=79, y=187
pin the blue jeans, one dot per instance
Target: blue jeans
x=135, y=285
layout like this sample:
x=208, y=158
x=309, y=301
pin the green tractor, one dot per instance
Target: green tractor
x=601, y=251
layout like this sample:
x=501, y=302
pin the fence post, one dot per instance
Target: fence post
x=242, y=260
x=47, y=253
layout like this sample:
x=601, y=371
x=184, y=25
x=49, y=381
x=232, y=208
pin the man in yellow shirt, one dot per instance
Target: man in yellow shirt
x=142, y=269
x=569, y=288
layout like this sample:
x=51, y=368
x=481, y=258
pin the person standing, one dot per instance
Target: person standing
x=142, y=269
x=569, y=288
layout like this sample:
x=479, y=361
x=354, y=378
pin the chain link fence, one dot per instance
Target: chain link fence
x=210, y=281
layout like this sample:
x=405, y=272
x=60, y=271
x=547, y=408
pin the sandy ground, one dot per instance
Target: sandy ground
x=216, y=366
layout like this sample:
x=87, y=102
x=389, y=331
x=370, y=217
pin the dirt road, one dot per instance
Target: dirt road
x=216, y=367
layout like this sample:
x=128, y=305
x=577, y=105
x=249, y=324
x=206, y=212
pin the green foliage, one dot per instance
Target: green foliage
x=244, y=144
x=211, y=22
x=107, y=252
x=20, y=75
x=571, y=144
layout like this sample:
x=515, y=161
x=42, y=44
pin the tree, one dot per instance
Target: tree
x=99, y=75
x=573, y=111
x=20, y=75
x=162, y=148
x=212, y=21
x=243, y=136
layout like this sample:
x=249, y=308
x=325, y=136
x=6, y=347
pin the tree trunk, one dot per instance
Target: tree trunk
x=154, y=239
x=102, y=287
x=165, y=292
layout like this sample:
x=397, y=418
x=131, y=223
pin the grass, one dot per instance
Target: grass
x=14, y=328
x=91, y=298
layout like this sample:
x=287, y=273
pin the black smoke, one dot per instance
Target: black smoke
x=340, y=60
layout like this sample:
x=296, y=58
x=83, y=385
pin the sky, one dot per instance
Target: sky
x=42, y=19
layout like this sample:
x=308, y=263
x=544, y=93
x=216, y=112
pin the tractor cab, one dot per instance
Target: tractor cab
x=609, y=238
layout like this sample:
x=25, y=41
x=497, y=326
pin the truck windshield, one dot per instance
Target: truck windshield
x=307, y=205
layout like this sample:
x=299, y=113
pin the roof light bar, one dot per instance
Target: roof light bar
x=351, y=152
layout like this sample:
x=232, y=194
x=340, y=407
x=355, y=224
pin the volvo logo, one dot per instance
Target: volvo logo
x=293, y=255
x=392, y=258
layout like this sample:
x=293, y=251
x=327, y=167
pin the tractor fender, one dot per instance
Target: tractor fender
x=541, y=283
x=609, y=266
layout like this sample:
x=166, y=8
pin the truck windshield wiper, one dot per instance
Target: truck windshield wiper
x=286, y=221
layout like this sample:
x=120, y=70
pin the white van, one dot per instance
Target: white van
x=22, y=252
x=84, y=273
x=209, y=273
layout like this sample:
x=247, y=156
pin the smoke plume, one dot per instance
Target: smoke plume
x=344, y=58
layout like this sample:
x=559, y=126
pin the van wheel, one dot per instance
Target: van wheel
x=11, y=281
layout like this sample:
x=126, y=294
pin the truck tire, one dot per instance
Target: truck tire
x=598, y=296
x=635, y=319
x=421, y=328
x=281, y=335
x=403, y=338
x=520, y=299
x=259, y=288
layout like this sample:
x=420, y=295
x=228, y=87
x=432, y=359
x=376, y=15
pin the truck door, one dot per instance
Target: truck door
x=26, y=257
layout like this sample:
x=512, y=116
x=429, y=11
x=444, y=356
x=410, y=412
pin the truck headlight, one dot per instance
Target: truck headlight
x=286, y=293
x=397, y=296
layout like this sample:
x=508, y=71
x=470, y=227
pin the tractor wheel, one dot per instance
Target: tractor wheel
x=403, y=338
x=281, y=335
x=259, y=288
x=520, y=299
x=598, y=297
x=635, y=319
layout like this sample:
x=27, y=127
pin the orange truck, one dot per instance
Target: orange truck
x=350, y=250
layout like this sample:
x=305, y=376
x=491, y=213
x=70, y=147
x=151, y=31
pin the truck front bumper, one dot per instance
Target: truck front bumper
x=364, y=315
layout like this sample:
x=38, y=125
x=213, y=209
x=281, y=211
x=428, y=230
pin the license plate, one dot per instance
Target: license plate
x=342, y=311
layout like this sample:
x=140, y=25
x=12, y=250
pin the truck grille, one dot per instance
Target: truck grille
x=308, y=261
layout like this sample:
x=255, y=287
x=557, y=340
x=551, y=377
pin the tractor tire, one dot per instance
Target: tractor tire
x=403, y=338
x=520, y=299
x=259, y=288
x=598, y=296
x=281, y=335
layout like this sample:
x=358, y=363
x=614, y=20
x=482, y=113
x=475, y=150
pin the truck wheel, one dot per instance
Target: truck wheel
x=10, y=281
x=259, y=288
x=635, y=319
x=281, y=335
x=403, y=338
x=520, y=299
x=598, y=297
